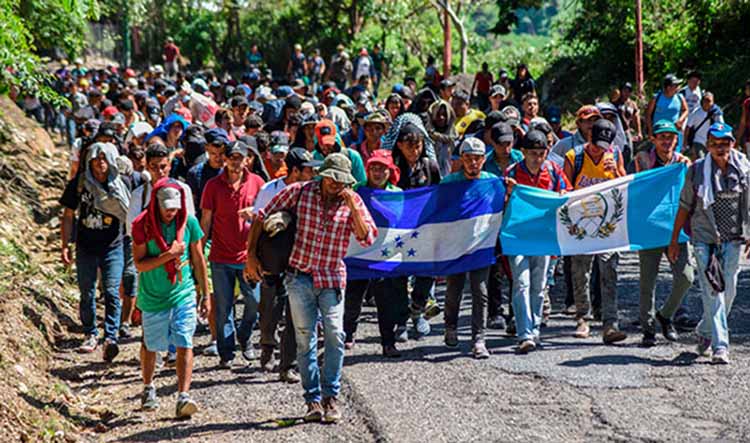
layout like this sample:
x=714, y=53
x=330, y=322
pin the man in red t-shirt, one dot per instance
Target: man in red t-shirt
x=482, y=84
x=530, y=273
x=227, y=211
x=171, y=56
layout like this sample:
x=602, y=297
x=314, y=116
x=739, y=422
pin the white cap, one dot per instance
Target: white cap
x=169, y=198
x=472, y=145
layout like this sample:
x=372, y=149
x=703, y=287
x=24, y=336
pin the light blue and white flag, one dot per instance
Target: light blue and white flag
x=438, y=230
x=626, y=214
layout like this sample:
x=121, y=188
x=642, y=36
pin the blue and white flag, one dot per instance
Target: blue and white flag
x=438, y=230
x=626, y=214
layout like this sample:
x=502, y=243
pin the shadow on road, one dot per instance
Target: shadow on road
x=684, y=359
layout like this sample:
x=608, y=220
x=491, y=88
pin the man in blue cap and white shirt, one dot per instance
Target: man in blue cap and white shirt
x=715, y=200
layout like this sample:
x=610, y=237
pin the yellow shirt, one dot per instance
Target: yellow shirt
x=591, y=173
x=468, y=119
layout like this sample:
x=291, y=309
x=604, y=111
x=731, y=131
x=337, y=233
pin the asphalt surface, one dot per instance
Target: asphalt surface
x=570, y=390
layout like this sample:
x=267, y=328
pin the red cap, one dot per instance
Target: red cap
x=363, y=51
x=109, y=111
x=385, y=157
x=129, y=73
x=325, y=131
x=586, y=112
x=184, y=113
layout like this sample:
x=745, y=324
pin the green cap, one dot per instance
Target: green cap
x=665, y=126
x=338, y=167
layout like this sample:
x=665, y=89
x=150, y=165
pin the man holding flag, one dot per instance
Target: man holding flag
x=661, y=154
x=472, y=158
x=587, y=165
x=530, y=272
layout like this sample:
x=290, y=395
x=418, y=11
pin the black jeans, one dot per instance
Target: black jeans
x=454, y=294
x=496, y=298
x=392, y=303
x=273, y=304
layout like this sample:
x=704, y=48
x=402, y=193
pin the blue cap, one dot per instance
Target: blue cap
x=284, y=91
x=216, y=136
x=721, y=130
x=256, y=106
x=554, y=115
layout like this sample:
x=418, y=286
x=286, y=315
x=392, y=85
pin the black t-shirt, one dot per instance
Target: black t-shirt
x=96, y=231
x=425, y=173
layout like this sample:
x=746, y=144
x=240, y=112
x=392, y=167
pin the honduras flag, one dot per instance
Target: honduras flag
x=626, y=214
x=437, y=230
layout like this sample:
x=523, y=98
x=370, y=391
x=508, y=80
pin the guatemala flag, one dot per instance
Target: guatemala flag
x=626, y=214
x=437, y=230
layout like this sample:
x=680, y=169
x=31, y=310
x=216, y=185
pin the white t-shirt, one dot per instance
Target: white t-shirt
x=363, y=67
x=138, y=203
x=267, y=192
x=696, y=118
x=693, y=98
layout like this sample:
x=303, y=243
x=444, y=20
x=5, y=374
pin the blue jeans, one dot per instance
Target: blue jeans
x=306, y=302
x=110, y=262
x=529, y=280
x=129, y=274
x=716, y=306
x=225, y=278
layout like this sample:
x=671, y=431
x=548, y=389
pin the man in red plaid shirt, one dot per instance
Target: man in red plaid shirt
x=328, y=213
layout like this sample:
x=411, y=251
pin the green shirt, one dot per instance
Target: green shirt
x=388, y=186
x=155, y=292
x=459, y=177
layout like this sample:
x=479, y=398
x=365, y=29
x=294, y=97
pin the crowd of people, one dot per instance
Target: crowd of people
x=177, y=179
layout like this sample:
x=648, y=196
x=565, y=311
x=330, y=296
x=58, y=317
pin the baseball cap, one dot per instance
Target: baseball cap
x=300, y=158
x=447, y=83
x=109, y=111
x=256, y=106
x=277, y=149
x=461, y=95
x=671, y=80
x=498, y=90
x=216, y=136
x=603, y=133
x=721, y=130
x=239, y=100
x=127, y=105
x=376, y=118
x=237, y=147
x=665, y=126
x=338, y=167
x=169, y=198
x=534, y=139
x=554, y=115
x=586, y=112
x=385, y=158
x=284, y=91
x=118, y=119
x=325, y=131
x=502, y=132
x=514, y=117
x=472, y=145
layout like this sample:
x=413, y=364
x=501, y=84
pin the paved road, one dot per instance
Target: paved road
x=572, y=390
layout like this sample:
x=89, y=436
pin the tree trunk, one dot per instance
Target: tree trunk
x=445, y=6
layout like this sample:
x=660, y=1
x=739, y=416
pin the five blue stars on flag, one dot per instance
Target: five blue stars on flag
x=399, y=243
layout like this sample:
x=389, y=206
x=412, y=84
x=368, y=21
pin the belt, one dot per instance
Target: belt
x=297, y=273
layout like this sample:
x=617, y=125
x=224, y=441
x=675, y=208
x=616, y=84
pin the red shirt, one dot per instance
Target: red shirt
x=484, y=82
x=323, y=234
x=550, y=176
x=229, y=232
x=171, y=51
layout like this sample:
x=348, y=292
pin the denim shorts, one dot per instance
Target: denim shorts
x=173, y=326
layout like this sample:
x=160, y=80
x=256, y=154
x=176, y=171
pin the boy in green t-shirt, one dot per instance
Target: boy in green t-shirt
x=167, y=252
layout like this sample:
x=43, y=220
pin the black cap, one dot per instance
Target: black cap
x=627, y=85
x=106, y=129
x=126, y=105
x=502, y=133
x=447, y=83
x=493, y=118
x=461, y=95
x=237, y=147
x=239, y=100
x=603, y=133
x=300, y=158
x=670, y=80
x=217, y=136
x=534, y=139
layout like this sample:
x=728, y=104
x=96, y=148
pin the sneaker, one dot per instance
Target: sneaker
x=212, y=350
x=349, y=344
x=667, y=328
x=683, y=322
x=149, y=402
x=582, y=329
x=314, y=412
x=289, y=376
x=570, y=310
x=480, y=350
x=111, y=349
x=402, y=335
x=159, y=361
x=266, y=359
x=497, y=322
x=89, y=345
x=390, y=351
x=511, y=329
x=331, y=413
x=451, y=338
x=704, y=346
x=225, y=364
x=648, y=340
x=431, y=309
x=186, y=407
x=248, y=353
x=613, y=335
x=125, y=330
x=721, y=357
x=421, y=326
x=171, y=359
x=526, y=346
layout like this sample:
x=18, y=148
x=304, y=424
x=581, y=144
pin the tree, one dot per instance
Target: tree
x=507, y=17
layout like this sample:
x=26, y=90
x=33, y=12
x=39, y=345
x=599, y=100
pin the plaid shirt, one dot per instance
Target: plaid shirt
x=323, y=234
